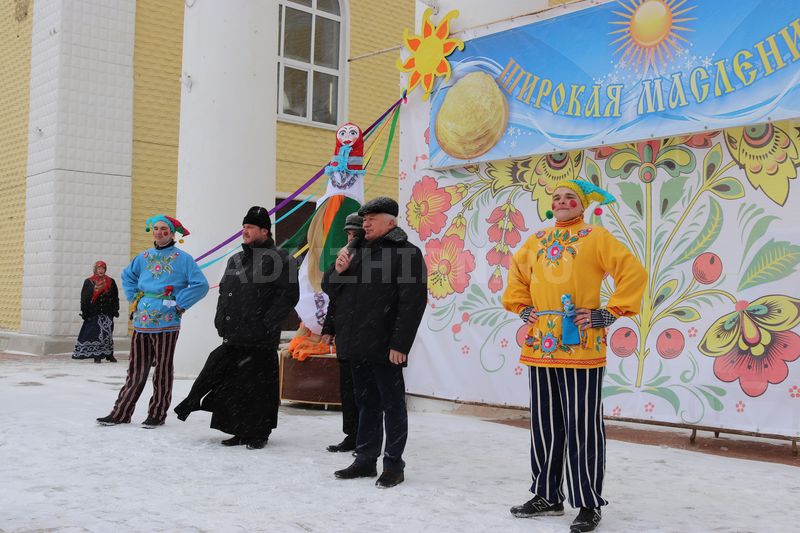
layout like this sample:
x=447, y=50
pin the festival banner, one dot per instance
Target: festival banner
x=713, y=218
x=616, y=72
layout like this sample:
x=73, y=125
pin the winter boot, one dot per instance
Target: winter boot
x=537, y=506
x=389, y=479
x=257, y=444
x=347, y=445
x=356, y=470
x=111, y=359
x=151, y=423
x=108, y=421
x=233, y=441
x=587, y=520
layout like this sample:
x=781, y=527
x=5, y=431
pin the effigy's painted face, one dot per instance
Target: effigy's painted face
x=348, y=134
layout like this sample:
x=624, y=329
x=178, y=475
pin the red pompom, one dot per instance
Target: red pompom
x=598, y=211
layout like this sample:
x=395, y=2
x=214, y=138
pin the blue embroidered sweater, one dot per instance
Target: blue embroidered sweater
x=167, y=278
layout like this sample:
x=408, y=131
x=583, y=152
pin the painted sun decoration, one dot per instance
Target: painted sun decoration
x=650, y=32
x=428, y=53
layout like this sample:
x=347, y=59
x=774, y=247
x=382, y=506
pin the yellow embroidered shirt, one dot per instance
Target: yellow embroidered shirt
x=571, y=258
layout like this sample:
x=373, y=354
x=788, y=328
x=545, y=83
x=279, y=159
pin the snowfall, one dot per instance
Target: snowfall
x=59, y=471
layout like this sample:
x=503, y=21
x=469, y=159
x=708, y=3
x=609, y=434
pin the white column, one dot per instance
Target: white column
x=226, y=154
x=79, y=159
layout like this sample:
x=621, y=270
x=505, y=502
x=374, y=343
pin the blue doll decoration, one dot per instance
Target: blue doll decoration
x=569, y=331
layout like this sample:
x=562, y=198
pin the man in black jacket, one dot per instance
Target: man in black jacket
x=380, y=290
x=239, y=383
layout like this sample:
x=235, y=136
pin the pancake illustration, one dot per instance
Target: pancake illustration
x=472, y=118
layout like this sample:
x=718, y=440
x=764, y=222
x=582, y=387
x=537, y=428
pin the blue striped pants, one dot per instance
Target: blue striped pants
x=567, y=432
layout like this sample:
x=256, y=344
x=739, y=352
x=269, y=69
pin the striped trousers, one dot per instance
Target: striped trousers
x=148, y=349
x=567, y=433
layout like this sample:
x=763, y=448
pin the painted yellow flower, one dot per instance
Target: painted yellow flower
x=538, y=175
x=449, y=266
x=755, y=342
x=768, y=153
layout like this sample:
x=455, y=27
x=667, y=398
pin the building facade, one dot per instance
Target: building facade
x=92, y=116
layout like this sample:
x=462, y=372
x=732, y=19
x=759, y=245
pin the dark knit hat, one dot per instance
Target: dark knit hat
x=353, y=221
x=381, y=204
x=258, y=216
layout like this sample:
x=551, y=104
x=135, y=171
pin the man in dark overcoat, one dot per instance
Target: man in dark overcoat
x=380, y=290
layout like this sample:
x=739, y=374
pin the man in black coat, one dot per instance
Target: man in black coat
x=380, y=290
x=239, y=383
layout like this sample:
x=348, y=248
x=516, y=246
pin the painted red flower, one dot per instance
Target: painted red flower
x=496, y=280
x=507, y=223
x=794, y=392
x=740, y=406
x=425, y=211
x=754, y=343
x=649, y=407
x=448, y=265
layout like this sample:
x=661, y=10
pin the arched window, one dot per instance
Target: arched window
x=310, y=60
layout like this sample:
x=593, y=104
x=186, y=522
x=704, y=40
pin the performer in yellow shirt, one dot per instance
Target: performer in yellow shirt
x=554, y=285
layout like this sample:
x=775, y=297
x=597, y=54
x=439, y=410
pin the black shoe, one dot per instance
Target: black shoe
x=357, y=470
x=587, y=520
x=108, y=421
x=233, y=441
x=389, y=479
x=537, y=506
x=347, y=445
x=151, y=422
x=256, y=444
x=111, y=359
x=98, y=360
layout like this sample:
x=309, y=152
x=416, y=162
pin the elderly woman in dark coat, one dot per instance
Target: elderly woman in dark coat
x=99, y=306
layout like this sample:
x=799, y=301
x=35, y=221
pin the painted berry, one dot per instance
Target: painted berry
x=624, y=341
x=670, y=343
x=707, y=268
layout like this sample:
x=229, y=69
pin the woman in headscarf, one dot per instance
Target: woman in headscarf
x=99, y=306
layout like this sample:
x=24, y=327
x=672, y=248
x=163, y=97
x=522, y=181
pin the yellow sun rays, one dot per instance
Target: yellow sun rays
x=429, y=52
x=651, y=31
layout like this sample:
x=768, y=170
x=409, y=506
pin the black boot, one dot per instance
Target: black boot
x=233, y=441
x=390, y=478
x=150, y=423
x=108, y=421
x=257, y=444
x=98, y=359
x=537, y=506
x=347, y=445
x=111, y=359
x=587, y=520
x=356, y=470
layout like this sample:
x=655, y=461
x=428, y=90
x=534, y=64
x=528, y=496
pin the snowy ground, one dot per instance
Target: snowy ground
x=59, y=471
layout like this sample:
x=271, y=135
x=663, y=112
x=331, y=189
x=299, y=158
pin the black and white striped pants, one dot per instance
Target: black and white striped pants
x=567, y=432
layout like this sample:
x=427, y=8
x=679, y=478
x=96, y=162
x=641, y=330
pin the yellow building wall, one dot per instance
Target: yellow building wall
x=373, y=84
x=15, y=70
x=157, y=59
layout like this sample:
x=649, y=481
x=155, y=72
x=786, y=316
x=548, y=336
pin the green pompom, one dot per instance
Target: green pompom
x=548, y=214
x=147, y=229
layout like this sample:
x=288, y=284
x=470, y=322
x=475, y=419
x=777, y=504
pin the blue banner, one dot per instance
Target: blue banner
x=621, y=71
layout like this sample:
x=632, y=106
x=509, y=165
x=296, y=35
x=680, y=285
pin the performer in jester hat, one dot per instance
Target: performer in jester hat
x=554, y=285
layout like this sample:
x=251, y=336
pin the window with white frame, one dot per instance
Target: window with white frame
x=310, y=60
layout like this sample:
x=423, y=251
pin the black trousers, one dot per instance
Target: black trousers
x=349, y=409
x=380, y=393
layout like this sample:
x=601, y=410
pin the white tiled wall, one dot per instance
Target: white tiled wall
x=79, y=160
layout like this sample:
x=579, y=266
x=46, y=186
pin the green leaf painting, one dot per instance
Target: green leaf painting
x=774, y=261
x=707, y=235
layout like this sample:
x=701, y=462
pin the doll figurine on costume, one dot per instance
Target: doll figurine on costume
x=569, y=331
